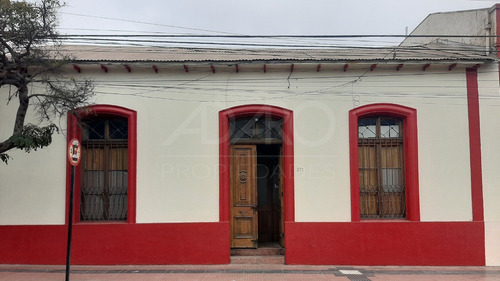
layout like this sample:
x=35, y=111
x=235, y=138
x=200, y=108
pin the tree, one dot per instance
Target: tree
x=30, y=54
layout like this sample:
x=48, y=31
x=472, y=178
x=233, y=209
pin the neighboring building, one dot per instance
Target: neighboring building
x=345, y=156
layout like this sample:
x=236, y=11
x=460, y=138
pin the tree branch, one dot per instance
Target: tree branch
x=22, y=109
x=6, y=45
x=6, y=146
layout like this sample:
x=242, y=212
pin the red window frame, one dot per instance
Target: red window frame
x=74, y=131
x=409, y=117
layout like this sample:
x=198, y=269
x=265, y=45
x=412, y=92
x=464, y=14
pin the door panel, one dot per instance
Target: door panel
x=244, y=217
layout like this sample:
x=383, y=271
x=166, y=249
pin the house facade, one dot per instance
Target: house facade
x=349, y=157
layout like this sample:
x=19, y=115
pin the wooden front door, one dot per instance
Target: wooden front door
x=244, y=217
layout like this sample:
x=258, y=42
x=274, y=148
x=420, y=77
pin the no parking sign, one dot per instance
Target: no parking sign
x=74, y=152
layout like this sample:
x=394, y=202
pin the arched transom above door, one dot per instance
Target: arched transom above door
x=256, y=129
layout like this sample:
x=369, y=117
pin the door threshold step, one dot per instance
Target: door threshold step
x=267, y=251
x=278, y=259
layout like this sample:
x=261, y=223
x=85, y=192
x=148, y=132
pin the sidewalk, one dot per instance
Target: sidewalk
x=238, y=272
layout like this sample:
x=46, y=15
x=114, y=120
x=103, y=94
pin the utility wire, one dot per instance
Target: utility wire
x=306, y=49
x=162, y=42
x=283, y=36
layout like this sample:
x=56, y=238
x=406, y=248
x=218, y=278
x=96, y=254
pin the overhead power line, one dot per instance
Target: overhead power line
x=277, y=36
x=274, y=41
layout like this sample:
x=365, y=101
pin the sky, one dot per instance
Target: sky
x=254, y=17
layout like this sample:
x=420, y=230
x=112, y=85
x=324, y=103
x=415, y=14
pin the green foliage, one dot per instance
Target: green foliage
x=29, y=53
x=25, y=23
x=33, y=137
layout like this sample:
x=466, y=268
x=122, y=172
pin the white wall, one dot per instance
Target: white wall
x=32, y=186
x=444, y=162
x=177, y=167
x=489, y=99
x=177, y=162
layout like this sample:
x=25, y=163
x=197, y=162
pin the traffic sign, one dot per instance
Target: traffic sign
x=74, y=152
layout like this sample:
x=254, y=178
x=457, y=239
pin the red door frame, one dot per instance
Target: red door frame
x=224, y=156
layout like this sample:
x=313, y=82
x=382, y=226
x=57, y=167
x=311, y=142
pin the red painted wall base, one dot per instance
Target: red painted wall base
x=108, y=244
x=386, y=243
x=350, y=243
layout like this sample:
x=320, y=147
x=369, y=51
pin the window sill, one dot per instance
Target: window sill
x=383, y=220
x=100, y=222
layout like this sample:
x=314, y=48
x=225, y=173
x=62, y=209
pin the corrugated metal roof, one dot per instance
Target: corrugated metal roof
x=431, y=52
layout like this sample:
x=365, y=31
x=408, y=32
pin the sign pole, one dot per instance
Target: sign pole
x=70, y=222
x=74, y=160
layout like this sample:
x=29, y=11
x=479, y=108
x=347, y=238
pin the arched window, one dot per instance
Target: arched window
x=105, y=185
x=384, y=164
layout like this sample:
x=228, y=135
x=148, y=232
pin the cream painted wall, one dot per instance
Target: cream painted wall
x=177, y=146
x=492, y=243
x=32, y=186
x=177, y=167
x=322, y=176
x=444, y=166
x=178, y=162
x=444, y=163
x=489, y=100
